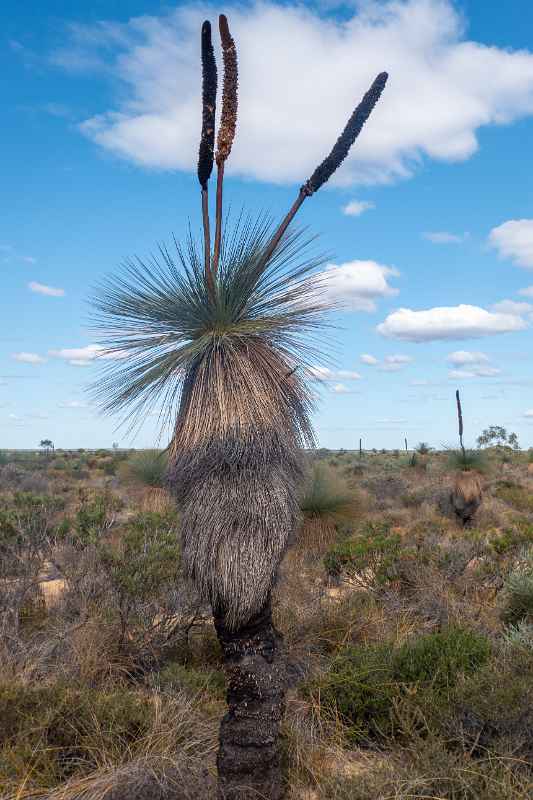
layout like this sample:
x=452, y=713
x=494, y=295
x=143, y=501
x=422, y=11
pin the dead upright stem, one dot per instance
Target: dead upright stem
x=460, y=418
x=218, y=218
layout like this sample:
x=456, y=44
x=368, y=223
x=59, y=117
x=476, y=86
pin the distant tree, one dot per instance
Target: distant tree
x=115, y=445
x=497, y=436
x=47, y=445
x=512, y=441
x=423, y=448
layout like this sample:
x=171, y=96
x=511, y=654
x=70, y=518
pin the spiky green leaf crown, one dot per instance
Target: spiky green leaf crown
x=156, y=320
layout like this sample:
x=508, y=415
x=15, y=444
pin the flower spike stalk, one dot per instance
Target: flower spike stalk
x=207, y=142
x=333, y=161
x=228, y=122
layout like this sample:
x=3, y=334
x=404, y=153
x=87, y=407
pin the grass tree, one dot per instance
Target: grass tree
x=222, y=337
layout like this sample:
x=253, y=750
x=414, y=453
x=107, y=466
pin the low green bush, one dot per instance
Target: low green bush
x=178, y=677
x=365, y=685
x=438, y=658
x=514, y=495
x=368, y=558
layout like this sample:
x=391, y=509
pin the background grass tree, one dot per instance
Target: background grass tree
x=224, y=341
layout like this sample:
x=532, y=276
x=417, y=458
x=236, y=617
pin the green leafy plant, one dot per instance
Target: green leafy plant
x=515, y=495
x=364, y=685
x=368, y=559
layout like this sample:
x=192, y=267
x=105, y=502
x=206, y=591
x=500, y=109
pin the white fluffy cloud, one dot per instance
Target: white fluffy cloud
x=392, y=363
x=443, y=237
x=356, y=285
x=454, y=322
x=326, y=374
x=437, y=99
x=465, y=357
x=29, y=358
x=512, y=307
x=514, y=240
x=73, y=404
x=83, y=356
x=41, y=288
x=340, y=388
x=357, y=207
x=528, y=413
x=527, y=291
x=475, y=371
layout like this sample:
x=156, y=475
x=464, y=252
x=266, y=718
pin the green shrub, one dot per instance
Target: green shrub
x=110, y=466
x=520, y=534
x=491, y=711
x=367, y=559
x=439, y=658
x=176, y=677
x=148, y=467
x=360, y=688
x=4, y=458
x=95, y=515
x=147, y=559
x=515, y=495
x=365, y=685
x=518, y=597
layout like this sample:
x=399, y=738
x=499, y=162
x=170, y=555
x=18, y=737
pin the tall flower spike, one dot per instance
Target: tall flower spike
x=228, y=122
x=332, y=162
x=209, y=95
x=207, y=142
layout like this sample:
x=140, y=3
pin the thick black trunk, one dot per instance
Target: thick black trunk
x=249, y=760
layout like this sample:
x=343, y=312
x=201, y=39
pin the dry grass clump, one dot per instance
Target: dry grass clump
x=148, y=467
x=326, y=504
x=70, y=744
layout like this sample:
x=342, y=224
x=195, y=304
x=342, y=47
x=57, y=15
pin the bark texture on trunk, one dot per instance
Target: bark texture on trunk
x=249, y=760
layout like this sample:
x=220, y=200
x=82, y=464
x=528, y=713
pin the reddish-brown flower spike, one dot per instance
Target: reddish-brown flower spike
x=209, y=94
x=228, y=119
x=350, y=133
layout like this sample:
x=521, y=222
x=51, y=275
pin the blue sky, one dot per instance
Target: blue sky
x=432, y=213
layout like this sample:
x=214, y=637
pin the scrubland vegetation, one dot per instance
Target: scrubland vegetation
x=409, y=636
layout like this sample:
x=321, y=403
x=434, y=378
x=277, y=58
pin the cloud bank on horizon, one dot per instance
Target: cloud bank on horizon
x=421, y=43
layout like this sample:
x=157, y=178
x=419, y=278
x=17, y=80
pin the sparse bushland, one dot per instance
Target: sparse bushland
x=408, y=638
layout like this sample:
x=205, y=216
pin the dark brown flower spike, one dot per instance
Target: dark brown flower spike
x=207, y=142
x=228, y=122
x=333, y=161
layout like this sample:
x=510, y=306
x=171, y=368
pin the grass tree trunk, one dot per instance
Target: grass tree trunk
x=249, y=761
